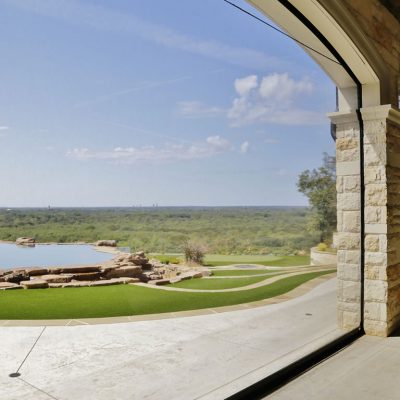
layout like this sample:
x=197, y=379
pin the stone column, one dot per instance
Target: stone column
x=382, y=220
x=348, y=219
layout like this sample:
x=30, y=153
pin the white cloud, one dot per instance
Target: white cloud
x=282, y=88
x=244, y=85
x=274, y=100
x=212, y=146
x=196, y=109
x=102, y=18
x=244, y=147
x=217, y=142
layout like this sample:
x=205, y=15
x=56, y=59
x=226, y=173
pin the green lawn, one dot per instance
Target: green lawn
x=216, y=284
x=121, y=300
x=244, y=272
x=168, y=258
x=284, y=261
x=216, y=260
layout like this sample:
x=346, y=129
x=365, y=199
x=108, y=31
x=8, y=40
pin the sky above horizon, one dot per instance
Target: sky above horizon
x=129, y=103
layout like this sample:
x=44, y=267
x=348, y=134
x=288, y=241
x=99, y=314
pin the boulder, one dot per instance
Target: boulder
x=79, y=269
x=139, y=260
x=126, y=272
x=143, y=278
x=122, y=257
x=54, y=278
x=16, y=277
x=25, y=241
x=34, y=284
x=36, y=271
x=56, y=285
x=109, y=243
x=86, y=276
x=105, y=270
x=126, y=280
x=159, y=282
x=9, y=285
x=106, y=282
x=76, y=284
x=185, y=277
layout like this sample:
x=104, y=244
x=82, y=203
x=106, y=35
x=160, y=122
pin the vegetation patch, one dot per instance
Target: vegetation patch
x=167, y=258
x=224, y=230
x=219, y=283
x=286, y=261
x=111, y=301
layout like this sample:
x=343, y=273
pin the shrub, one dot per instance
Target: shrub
x=166, y=259
x=322, y=247
x=194, y=252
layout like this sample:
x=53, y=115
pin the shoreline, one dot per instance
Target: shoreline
x=113, y=251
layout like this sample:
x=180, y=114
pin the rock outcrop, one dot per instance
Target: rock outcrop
x=109, y=243
x=25, y=241
x=125, y=268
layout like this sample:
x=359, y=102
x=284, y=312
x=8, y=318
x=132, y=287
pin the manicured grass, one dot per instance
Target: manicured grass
x=243, y=272
x=121, y=300
x=216, y=284
x=284, y=261
x=290, y=261
x=240, y=258
x=217, y=260
x=168, y=258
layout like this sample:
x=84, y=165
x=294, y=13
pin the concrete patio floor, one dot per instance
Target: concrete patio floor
x=368, y=370
x=200, y=357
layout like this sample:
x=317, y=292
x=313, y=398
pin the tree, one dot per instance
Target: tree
x=319, y=185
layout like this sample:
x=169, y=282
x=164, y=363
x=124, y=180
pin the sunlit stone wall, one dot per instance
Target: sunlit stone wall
x=382, y=220
x=348, y=217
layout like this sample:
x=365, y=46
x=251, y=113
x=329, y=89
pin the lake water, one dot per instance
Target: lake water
x=12, y=256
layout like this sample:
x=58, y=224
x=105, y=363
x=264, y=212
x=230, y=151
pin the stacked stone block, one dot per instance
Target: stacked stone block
x=348, y=216
x=382, y=220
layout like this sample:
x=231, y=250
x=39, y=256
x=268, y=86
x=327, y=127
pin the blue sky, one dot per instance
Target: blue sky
x=138, y=102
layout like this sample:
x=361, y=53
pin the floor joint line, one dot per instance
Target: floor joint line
x=30, y=351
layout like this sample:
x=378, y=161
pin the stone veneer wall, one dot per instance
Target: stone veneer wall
x=382, y=187
x=348, y=220
x=382, y=222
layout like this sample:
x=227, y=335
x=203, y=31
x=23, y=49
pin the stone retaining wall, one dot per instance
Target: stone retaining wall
x=322, y=257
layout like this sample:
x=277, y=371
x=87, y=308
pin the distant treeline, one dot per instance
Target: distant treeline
x=223, y=230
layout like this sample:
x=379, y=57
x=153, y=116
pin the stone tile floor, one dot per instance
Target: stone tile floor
x=368, y=370
x=196, y=357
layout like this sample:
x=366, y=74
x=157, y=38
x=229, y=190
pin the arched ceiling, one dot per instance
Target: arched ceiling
x=333, y=23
